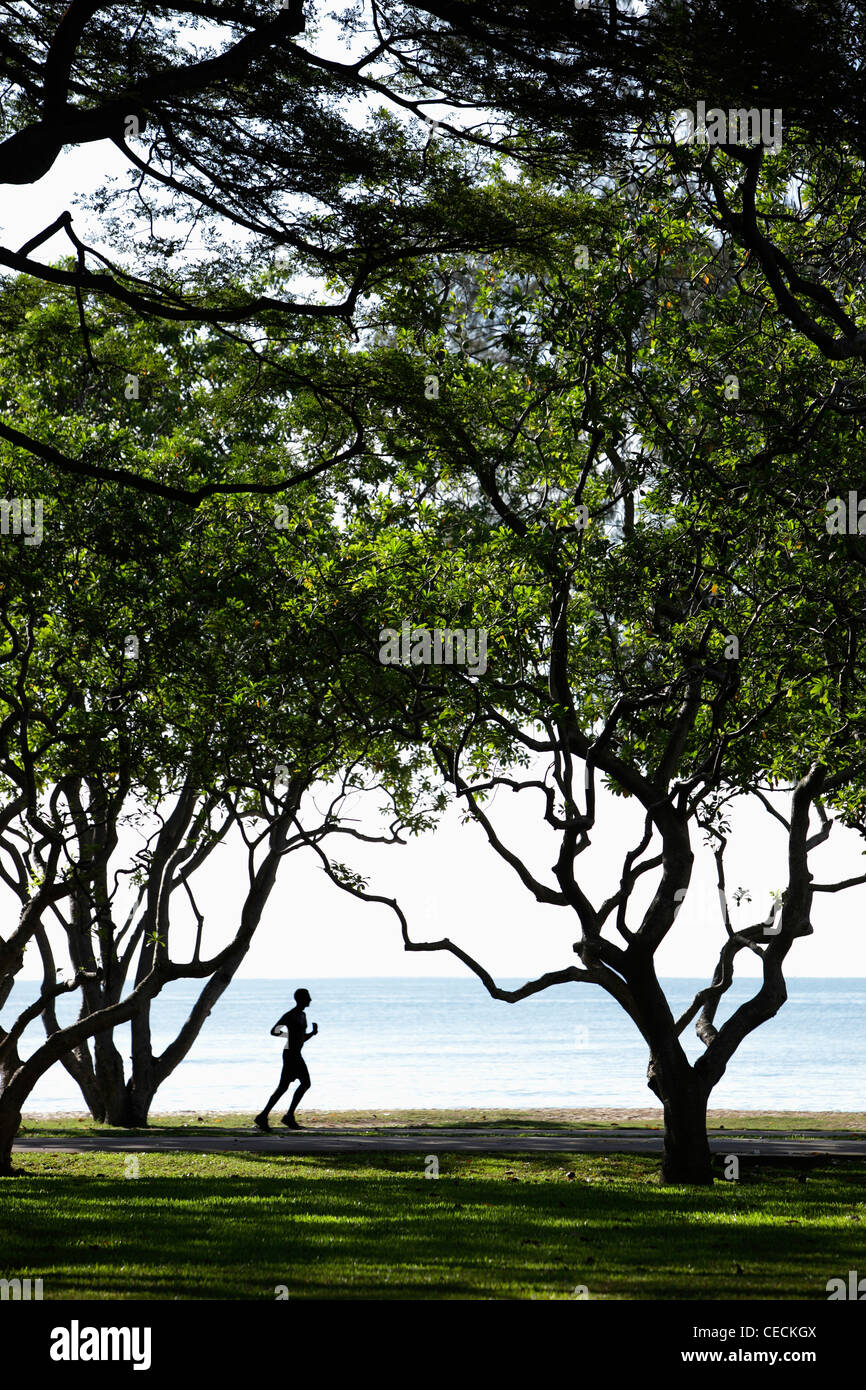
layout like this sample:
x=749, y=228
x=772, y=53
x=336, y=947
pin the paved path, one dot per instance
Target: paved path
x=334, y=1141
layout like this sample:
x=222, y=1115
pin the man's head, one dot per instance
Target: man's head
x=302, y=998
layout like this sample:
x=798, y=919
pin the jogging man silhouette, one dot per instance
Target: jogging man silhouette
x=294, y=1066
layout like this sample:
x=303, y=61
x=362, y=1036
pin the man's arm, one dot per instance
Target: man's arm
x=279, y=1024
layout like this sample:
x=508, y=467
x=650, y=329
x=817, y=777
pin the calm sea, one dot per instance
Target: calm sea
x=418, y=1043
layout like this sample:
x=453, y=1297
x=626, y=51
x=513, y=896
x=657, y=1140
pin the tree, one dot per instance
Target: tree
x=658, y=615
x=240, y=128
x=178, y=680
x=579, y=414
x=249, y=148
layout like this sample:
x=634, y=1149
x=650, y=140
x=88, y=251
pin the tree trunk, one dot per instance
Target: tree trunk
x=143, y=1080
x=687, y=1158
x=10, y=1119
x=108, y=1066
x=682, y=1090
x=140, y=1091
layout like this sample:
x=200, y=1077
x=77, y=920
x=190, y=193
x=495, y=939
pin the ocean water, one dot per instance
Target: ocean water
x=388, y=1044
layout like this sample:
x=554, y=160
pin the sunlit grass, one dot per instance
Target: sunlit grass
x=373, y=1226
x=732, y=1121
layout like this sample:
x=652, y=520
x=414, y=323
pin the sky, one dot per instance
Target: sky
x=450, y=881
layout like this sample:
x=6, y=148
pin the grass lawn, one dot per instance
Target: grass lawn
x=787, y=1122
x=373, y=1226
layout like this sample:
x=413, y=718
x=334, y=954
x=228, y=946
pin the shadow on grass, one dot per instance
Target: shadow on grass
x=354, y=1227
x=328, y=1123
x=89, y=1129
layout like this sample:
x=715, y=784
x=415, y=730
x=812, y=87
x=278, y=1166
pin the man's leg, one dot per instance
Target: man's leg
x=286, y=1076
x=304, y=1078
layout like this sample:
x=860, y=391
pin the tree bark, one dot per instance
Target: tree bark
x=687, y=1158
x=140, y=1091
x=110, y=1081
x=10, y=1119
x=682, y=1089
